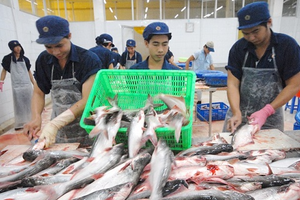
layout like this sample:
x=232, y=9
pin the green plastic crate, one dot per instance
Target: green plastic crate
x=133, y=87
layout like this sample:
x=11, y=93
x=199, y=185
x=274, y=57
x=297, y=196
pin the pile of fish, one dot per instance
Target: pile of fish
x=140, y=123
x=210, y=169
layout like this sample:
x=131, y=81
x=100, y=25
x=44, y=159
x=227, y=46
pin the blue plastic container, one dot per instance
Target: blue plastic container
x=296, y=126
x=219, y=110
x=200, y=73
x=216, y=79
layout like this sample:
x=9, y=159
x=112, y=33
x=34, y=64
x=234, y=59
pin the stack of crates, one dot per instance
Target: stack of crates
x=133, y=87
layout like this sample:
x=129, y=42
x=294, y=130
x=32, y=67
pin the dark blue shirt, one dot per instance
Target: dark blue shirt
x=144, y=65
x=86, y=63
x=125, y=56
x=104, y=54
x=116, y=58
x=7, y=60
x=287, y=56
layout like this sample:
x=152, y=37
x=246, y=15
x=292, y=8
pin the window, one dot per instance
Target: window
x=289, y=8
x=72, y=10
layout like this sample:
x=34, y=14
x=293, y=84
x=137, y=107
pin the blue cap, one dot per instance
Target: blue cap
x=52, y=29
x=104, y=38
x=13, y=43
x=130, y=43
x=156, y=28
x=114, y=49
x=253, y=14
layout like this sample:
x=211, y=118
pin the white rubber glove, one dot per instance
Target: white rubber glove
x=50, y=130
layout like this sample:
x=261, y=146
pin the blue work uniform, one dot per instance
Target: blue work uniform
x=66, y=87
x=144, y=65
x=116, y=58
x=6, y=61
x=126, y=60
x=202, y=61
x=104, y=54
x=262, y=80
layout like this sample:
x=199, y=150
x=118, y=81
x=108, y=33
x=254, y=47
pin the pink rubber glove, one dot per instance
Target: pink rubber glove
x=260, y=117
x=1, y=85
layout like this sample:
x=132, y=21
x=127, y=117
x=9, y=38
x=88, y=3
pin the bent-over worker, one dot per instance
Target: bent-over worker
x=263, y=71
x=68, y=71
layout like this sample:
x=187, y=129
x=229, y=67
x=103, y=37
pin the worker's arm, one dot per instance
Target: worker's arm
x=212, y=67
x=50, y=130
x=3, y=75
x=37, y=106
x=187, y=63
x=233, y=95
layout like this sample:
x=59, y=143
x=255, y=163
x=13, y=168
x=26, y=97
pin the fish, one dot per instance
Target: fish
x=143, y=191
x=160, y=171
x=198, y=194
x=171, y=101
x=202, y=150
x=223, y=156
x=44, y=161
x=197, y=174
x=116, y=192
x=113, y=124
x=136, y=138
x=289, y=191
x=126, y=172
x=287, y=162
x=152, y=120
x=265, y=181
x=100, y=121
x=244, y=136
x=45, y=180
x=60, y=165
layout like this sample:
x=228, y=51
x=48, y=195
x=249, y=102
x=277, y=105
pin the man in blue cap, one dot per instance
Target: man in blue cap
x=68, y=71
x=130, y=56
x=104, y=44
x=263, y=71
x=156, y=37
x=202, y=58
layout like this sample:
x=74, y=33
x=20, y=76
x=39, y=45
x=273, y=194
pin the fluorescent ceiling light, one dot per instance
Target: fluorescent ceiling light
x=183, y=8
x=145, y=16
x=146, y=10
x=115, y=17
x=148, y=1
x=111, y=10
x=176, y=16
x=104, y=1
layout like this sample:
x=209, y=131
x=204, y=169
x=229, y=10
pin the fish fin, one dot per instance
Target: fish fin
x=95, y=131
x=105, y=132
x=269, y=168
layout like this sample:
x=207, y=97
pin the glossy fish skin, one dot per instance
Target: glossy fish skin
x=152, y=120
x=244, y=136
x=202, y=150
x=44, y=162
x=160, y=170
x=135, y=134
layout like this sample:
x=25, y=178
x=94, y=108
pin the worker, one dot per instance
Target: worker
x=170, y=58
x=130, y=56
x=156, y=38
x=116, y=57
x=18, y=65
x=68, y=71
x=202, y=59
x=104, y=43
x=263, y=71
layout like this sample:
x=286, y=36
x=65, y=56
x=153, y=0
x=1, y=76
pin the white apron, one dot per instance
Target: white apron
x=64, y=94
x=22, y=93
x=259, y=87
x=129, y=63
